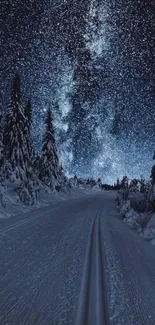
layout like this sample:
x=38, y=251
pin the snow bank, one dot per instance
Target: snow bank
x=133, y=211
x=16, y=198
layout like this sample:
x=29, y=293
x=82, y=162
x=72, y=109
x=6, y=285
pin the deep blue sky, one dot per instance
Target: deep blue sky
x=94, y=63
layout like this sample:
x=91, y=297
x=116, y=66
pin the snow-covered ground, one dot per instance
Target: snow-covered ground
x=134, y=213
x=13, y=206
x=75, y=263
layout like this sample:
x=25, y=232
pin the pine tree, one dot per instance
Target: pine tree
x=50, y=167
x=1, y=132
x=28, y=129
x=28, y=113
x=15, y=141
x=118, y=183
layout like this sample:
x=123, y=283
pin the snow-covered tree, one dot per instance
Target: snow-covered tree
x=15, y=140
x=50, y=167
x=28, y=129
x=28, y=113
x=124, y=182
x=118, y=183
x=36, y=164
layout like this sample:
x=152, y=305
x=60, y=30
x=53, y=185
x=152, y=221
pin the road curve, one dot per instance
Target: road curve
x=75, y=264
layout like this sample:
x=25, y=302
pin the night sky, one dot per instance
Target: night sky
x=93, y=63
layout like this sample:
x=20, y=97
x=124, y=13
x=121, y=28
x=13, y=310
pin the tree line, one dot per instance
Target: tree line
x=18, y=158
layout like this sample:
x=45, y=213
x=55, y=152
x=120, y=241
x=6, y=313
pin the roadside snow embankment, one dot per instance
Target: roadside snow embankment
x=133, y=211
x=14, y=197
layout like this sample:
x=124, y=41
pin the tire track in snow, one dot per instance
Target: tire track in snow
x=66, y=235
x=92, y=308
x=26, y=220
x=65, y=240
x=21, y=223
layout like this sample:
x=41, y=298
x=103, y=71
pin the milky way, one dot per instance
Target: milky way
x=93, y=62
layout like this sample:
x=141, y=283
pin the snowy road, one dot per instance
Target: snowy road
x=77, y=264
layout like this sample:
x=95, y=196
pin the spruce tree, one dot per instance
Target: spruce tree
x=50, y=167
x=15, y=141
x=118, y=183
x=28, y=113
x=28, y=129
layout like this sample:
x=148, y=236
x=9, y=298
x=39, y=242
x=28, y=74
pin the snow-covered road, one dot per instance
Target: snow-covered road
x=77, y=264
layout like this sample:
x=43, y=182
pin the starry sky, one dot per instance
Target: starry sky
x=93, y=63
